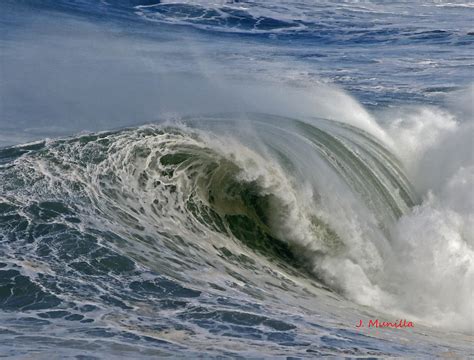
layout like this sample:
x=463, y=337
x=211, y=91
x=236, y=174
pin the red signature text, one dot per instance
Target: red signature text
x=375, y=323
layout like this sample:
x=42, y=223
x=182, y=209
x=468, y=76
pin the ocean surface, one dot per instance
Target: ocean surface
x=236, y=179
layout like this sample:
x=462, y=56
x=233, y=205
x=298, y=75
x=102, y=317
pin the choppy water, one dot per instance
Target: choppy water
x=222, y=196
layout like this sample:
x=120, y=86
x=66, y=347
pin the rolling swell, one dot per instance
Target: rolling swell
x=130, y=220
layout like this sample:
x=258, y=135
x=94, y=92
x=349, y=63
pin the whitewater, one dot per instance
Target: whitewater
x=214, y=179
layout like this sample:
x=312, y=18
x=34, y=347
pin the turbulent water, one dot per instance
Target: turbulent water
x=187, y=179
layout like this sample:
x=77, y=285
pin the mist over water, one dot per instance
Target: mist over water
x=236, y=179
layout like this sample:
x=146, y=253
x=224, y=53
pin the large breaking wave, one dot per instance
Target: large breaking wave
x=232, y=194
x=268, y=229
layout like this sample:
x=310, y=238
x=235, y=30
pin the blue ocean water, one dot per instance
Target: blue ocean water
x=236, y=179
